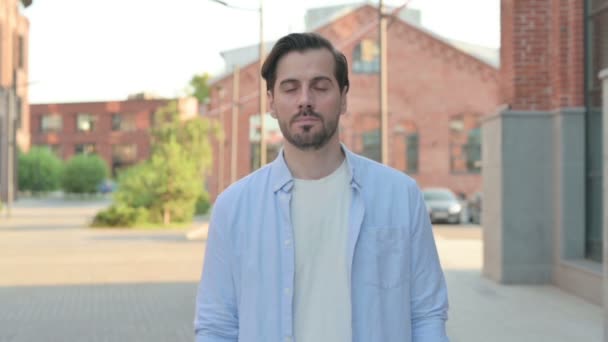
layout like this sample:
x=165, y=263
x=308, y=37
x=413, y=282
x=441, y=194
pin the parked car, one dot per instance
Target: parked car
x=107, y=186
x=443, y=205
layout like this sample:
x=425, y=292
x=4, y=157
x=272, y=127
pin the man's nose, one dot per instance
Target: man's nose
x=305, y=101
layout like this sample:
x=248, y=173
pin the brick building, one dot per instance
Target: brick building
x=118, y=131
x=14, y=109
x=542, y=158
x=437, y=96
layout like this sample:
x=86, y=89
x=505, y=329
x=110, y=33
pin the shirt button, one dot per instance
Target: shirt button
x=287, y=290
x=287, y=242
x=287, y=338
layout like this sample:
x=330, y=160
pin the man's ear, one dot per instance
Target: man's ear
x=270, y=100
x=344, y=102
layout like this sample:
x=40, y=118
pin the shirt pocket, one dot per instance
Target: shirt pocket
x=381, y=256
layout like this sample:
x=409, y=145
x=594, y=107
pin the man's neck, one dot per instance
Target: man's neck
x=313, y=164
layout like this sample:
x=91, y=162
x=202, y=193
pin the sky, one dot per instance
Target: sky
x=101, y=50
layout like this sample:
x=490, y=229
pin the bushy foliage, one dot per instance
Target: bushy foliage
x=83, y=174
x=169, y=186
x=39, y=170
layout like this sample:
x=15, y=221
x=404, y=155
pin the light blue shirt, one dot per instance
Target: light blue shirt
x=398, y=292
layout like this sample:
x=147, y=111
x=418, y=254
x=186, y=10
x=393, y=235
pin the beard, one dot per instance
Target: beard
x=304, y=138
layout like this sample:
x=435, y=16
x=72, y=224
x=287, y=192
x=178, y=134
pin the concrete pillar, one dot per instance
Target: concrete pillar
x=604, y=77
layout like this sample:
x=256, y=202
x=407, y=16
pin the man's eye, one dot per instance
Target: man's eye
x=290, y=90
x=321, y=88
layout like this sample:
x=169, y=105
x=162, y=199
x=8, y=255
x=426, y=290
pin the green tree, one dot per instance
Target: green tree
x=181, y=157
x=192, y=135
x=168, y=184
x=178, y=184
x=39, y=170
x=199, y=87
x=83, y=174
x=135, y=185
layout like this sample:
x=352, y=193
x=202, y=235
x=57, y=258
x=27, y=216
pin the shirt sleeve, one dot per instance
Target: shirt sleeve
x=429, y=297
x=216, y=315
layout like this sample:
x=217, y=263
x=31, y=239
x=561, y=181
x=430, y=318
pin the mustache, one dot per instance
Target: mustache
x=305, y=113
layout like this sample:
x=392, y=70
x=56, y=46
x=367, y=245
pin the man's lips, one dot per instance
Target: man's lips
x=306, y=120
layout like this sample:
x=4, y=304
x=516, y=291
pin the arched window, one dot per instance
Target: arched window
x=406, y=145
x=371, y=144
x=366, y=57
x=465, y=143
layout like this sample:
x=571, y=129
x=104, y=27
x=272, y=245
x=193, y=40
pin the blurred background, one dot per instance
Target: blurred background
x=121, y=122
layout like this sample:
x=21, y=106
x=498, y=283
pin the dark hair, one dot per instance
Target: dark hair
x=302, y=42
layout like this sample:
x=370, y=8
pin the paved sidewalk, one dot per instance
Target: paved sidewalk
x=62, y=282
x=482, y=310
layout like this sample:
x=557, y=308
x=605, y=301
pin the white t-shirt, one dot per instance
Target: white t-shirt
x=319, y=211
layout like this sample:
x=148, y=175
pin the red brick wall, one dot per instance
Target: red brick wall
x=102, y=136
x=542, y=54
x=429, y=82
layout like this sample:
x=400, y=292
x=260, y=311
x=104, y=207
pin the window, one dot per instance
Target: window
x=51, y=123
x=366, y=57
x=403, y=146
x=465, y=143
x=85, y=149
x=123, y=155
x=123, y=122
x=473, y=150
x=596, y=52
x=85, y=122
x=20, y=52
x=371, y=145
x=18, y=111
x=411, y=143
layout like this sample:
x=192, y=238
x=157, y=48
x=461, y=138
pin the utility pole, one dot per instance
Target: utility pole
x=383, y=85
x=235, y=124
x=263, y=149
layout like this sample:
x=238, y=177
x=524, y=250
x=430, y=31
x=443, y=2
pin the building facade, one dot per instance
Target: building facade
x=117, y=131
x=14, y=109
x=542, y=162
x=437, y=96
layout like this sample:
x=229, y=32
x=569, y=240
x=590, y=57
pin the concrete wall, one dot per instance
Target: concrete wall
x=571, y=271
x=492, y=197
x=518, y=188
x=569, y=182
x=534, y=201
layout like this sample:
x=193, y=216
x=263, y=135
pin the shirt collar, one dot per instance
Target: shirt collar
x=283, y=179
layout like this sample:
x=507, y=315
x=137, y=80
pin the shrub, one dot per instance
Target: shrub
x=39, y=170
x=120, y=216
x=83, y=173
x=203, y=204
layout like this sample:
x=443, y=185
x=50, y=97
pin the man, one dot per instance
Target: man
x=321, y=244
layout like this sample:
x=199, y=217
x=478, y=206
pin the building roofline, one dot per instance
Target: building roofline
x=431, y=35
x=75, y=103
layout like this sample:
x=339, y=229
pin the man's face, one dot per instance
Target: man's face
x=306, y=98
